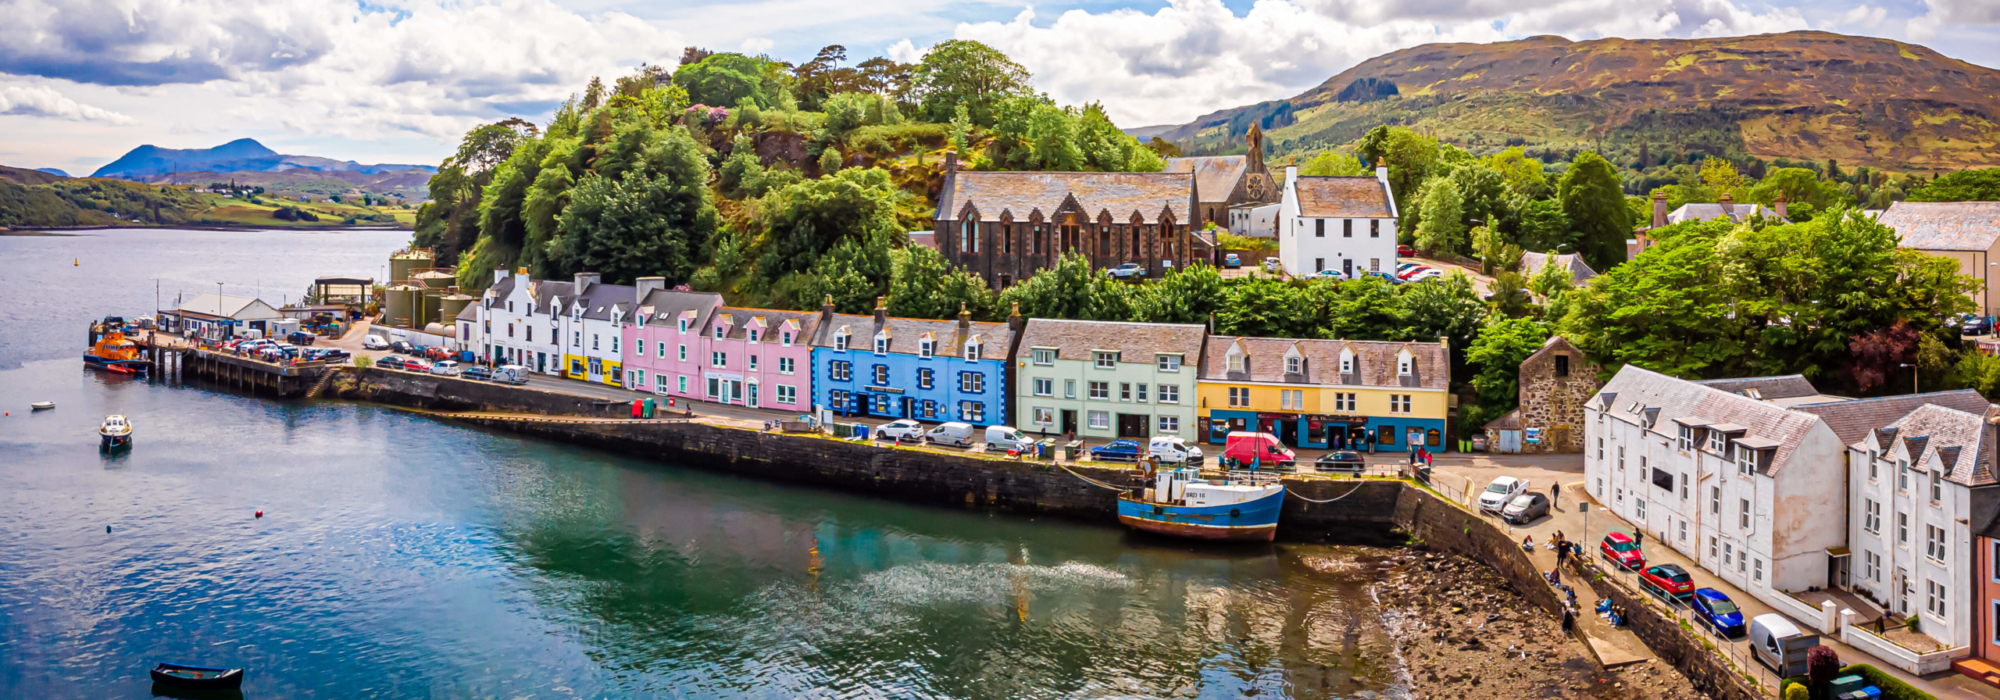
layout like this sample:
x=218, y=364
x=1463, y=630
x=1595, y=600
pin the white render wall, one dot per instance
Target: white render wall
x=1955, y=572
x=520, y=318
x=1260, y=221
x=1299, y=246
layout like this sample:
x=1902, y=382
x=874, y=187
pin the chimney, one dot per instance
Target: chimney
x=583, y=282
x=646, y=285
x=881, y=313
x=826, y=312
x=1779, y=205
x=950, y=161
x=1211, y=323
x=964, y=323
x=1659, y=209
x=1014, y=320
x=499, y=275
x=1728, y=206
x=1291, y=176
x=1382, y=170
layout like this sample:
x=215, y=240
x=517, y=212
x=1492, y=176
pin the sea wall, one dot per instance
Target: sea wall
x=436, y=393
x=1663, y=634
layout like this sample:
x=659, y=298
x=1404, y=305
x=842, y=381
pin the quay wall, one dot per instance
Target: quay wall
x=437, y=393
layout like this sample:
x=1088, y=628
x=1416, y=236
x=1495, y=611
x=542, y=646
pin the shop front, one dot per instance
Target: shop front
x=1329, y=432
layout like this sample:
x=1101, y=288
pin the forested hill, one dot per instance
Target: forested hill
x=1800, y=95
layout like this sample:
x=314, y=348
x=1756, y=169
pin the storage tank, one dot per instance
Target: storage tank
x=405, y=262
x=401, y=308
x=434, y=278
x=431, y=305
x=450, y=305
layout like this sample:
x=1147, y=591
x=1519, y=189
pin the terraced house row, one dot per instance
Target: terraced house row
x=1094, y=379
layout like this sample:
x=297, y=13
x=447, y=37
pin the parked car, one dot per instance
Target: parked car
x=1779, y=645
x=390, y=362
x=1425, y=275
x=447, y=368
x=415, y=364
x=1172, y=450
x=1341, y=462
x=439, y=353
x=402, y=347
x=1406, y=265
x=1412, y=270
x=1525, y=508
x=1331, y=274
x=1403, y=251
x=1501, y=491
x=1273, y=264
x=1974, y=324
x=510, y=374
x=1670, y=579
x=300, y=338
x=1127, y=271
x=954, y=434
x=1232, y=261
x=899, y=430
x=1389, y=277
x=1001, y=438
x=1619, y=548
x=1118, y=451
x=1243, y=448
x=478, y=373
x=375, y=342
x=1717, y=612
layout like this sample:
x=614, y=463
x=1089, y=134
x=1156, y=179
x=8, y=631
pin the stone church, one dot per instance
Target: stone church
x=1226, y=181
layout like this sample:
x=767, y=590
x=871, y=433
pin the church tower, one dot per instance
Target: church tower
x=1255, y=141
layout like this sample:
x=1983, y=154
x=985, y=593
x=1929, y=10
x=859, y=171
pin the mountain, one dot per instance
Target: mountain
x=52, y=171
x=24, y=176
x=1802, y=95
x=241, y=155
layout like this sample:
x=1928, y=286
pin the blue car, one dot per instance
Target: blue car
x=1716, y=611
x=1118, y=451
x=1386, y=277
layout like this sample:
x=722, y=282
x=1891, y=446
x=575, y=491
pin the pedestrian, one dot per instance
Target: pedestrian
x=1638, y=537
x=1569, y=618
x=1555, y=495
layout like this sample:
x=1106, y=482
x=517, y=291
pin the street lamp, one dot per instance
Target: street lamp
x=1913, y=376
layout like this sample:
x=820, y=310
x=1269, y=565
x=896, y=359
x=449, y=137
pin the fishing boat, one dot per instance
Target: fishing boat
x=115, y=433
x=198, y=676
x=114, y=353
x=1233, y=506
x=42, y=405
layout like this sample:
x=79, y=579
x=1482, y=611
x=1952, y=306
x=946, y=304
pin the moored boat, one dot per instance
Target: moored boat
x=1240, y=506
x=115, y=433
x=42, y=405
x=113, y=352
x=198, y=676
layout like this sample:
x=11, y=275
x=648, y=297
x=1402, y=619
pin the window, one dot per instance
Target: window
x=1871, y=517
x=1871, y=465
x=1170, y=393
x=1758, y=567
x=1374, y=264
x=640, y=347
x=1292, y=399
x=1399, y=403
x=1686, y=438
x=1239, y=396
x=1902, y=528
x=1044, y=386
x=1684, y=486
x=972, y=411
x=1237, y=363
x=1107, y=360
x=1346, y=362
x=720, y=329
x=1045, y=416
x=1600, y=449
x=1142, y=393
x=1711, y=547
x=638, y=378
x=1716, y=441
x=1168, y=363
x=1319, y=228
x=1746, y=460
x=1934, y=544
x=1069, y=388
x=1621, y=458
x=1639, y=508
x=1937, y=486
x=576, y=339
x=684, y=325
x=1347, y=228
x=614, y=342
x=1345, y=402
x=1728, y=553
x=1124, y=391
x=1934, y=599
x=684, y=353
x=784, y=365
x=718, y=359
x=1684, y=530
x=840, y=371
x=972, y=382
x=1562, y=365
x=1743, y=513
x=785, y=339
x=714, y=387
x=1045, y=356
x=1872, y=566
x=1319, y=264
x=881, y=344
x=972, y=352
x=1902, y=475
x=1100, y=420
x=1375, y=228
x=924, y=378
x=1405, y=365
x=1170, y=424
x=1100, y=391
x=881, y=375
x=1715, y=500
x=510, y=330
x=788, y=394
x=1294, y=365
x=754, y=335
x=928, y=409
x=682, y=380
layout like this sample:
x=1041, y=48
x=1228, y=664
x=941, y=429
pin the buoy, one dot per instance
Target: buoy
x=78, y=263
x=107, y=528
x=260, y=514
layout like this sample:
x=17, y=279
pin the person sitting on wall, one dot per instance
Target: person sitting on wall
x=1528, y=544
x=1603, y=606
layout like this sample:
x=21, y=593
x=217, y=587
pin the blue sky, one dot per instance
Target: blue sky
x=82, y=81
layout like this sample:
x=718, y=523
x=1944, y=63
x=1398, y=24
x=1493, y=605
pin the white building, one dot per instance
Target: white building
x=1337, y=223
x=514, y=326
x=588, y=326
x=1255, y=220
x=1915, y=490
x=221, y=316
x=1746, y=477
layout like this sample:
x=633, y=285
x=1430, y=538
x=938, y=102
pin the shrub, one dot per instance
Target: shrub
x=1797, y=692
x=1822, y=666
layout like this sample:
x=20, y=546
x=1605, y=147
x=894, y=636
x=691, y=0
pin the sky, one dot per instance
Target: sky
x=399, y=81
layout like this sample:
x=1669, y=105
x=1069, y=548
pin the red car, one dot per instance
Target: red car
x=1670, y=578
x=412, y=364
x=1403, y=251
x=1619, y=548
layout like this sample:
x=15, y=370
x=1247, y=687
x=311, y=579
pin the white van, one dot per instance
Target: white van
x=1172, y=450
x=1001, y=438
x=954, y=434
x=1778, y=644
x=511, y=374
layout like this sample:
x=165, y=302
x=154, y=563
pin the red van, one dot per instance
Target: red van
x=1243, y=448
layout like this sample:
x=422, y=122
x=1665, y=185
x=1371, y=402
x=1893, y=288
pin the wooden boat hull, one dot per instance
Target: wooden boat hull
x=202, y=677
x=1254, y=521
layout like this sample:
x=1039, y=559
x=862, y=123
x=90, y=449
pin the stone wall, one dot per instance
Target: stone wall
x=1662, y=633
x=435, y=393
x=1554, y=402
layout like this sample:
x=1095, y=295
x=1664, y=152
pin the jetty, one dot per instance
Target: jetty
x=176, y=358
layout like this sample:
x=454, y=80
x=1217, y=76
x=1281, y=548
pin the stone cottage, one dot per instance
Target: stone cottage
x=1555, y=383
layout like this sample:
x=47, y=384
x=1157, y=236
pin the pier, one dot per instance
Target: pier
x=175, y=358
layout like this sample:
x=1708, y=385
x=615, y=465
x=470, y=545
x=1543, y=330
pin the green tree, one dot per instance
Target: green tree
x=853, y=273
x=1483, y=193
x=725, y=79
x=923, y=285
x=1594, y=203
x=1071, y=289
x=1522, y=174
x=1363, y=309
x=1333, y=164
x=1981, y=185
x=1551, y=281
x=1186, y=295
x=1542, y=227
x=1446, y=307
x=637, y=227
x=1264, y=307
x=1443, y=227
x=1495, y=359
x=829, y=161
x=964, y=72
x=805, y=219
x=1508, y=296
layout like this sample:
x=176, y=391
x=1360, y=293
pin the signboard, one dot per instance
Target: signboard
x=1534, y=436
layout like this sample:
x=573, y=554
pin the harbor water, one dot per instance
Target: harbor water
x=399, y=557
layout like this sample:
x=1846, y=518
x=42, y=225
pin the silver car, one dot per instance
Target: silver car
x=1525, y=508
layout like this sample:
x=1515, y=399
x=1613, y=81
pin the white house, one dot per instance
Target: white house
x=1337, y=223
x=515, y=326
x=1912, y=487
x=221, y=316
x=588, y=326
x=1255, y=220
x=1747, y=480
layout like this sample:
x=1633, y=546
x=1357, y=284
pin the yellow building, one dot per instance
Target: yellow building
x=1326, y=394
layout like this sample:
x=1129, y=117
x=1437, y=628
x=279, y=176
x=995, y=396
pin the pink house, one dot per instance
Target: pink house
x=759, y=358
x=664, y=349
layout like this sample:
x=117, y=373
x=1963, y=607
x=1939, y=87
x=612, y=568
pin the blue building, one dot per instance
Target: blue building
x=912, y=368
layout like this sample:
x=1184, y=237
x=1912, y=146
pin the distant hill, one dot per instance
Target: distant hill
x=24, y=176
x=1803, y=95
x=241, y=155
x=53, y=171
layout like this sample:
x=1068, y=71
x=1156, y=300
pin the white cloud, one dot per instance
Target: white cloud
x=757, y=45
x=44, y=101
x=1945, y=13
x=1865, y=16
x=904, y=52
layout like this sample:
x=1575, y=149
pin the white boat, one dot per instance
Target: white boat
x=115, y=433
x=42, y=405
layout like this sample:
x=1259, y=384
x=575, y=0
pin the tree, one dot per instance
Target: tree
x=964, y=72
x=1822, y=665
x=1185, y=295
x=803, y=220
x=1522, y=174
x=1445, y=307
x=1495, y=359
x=1264, y=307
x=1071, y=289
x=923, y=285
x=1594, y=203
x=1542, y=227
x=1962, y=186
x=1552, y=281
x=1443, y=227
x=1879, y=355
x=1333, y=164
x=725, y=79
x=1483, y=193
x=652, y=221
x=829, y=161
x=1509, y=295
x=1363, y=309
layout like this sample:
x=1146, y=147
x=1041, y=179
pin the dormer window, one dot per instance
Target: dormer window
x=1237, y=362
x=1717, y=441
x=1168, y=363
x=1746, y=462
x=719, y=330
x=1044, y=356
x=840, y=340
x=1294, y=365
x=752, y=333
x=926, y=347
x=1405, y=365
x=1346, y=362
x=1107, y=360
x=785, y=338
x=881, y=343
x=972, y=351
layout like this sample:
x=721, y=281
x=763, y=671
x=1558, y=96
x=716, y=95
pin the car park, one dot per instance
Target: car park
x=1413, y=271
x=1117, y=451
x=1127, y=271
x=1525, y=508
x=1717, y=612
x=476, y=373
x=446, y=368
x=1425, y=275
x=1273, y=264
x=1172, y=450
x=900, y=430
x=953, y=434
x=1341, y=462
x=1498, y=493
x=374, y=342
x=1619, y=548
x=1232, y=261
x=1670, y=579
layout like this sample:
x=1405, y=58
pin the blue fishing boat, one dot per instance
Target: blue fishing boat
x=1239, y=506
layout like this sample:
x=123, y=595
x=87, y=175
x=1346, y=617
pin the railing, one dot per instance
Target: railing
x=1897, y=655
x=1736, y=652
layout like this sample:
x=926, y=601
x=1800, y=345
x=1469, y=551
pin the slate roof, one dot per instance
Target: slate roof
x=1958, y=438
x=1671, y=399
x=224, y=306
x=1136, y=342
x=667, y=305
x=1374, y=362
x=1022, y=194
x=1784, y=386
x=1945, y=225
x=1344, y=198
x=501, y=289
x=1579, y=271
x=597, y=298
x=904, y=333
x=1214, y=176
x=1704, y=211
x=741, y=317
x=1852, y=420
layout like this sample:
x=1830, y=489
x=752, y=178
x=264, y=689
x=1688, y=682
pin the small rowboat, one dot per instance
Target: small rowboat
x=42, y=405
x=198, y=676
